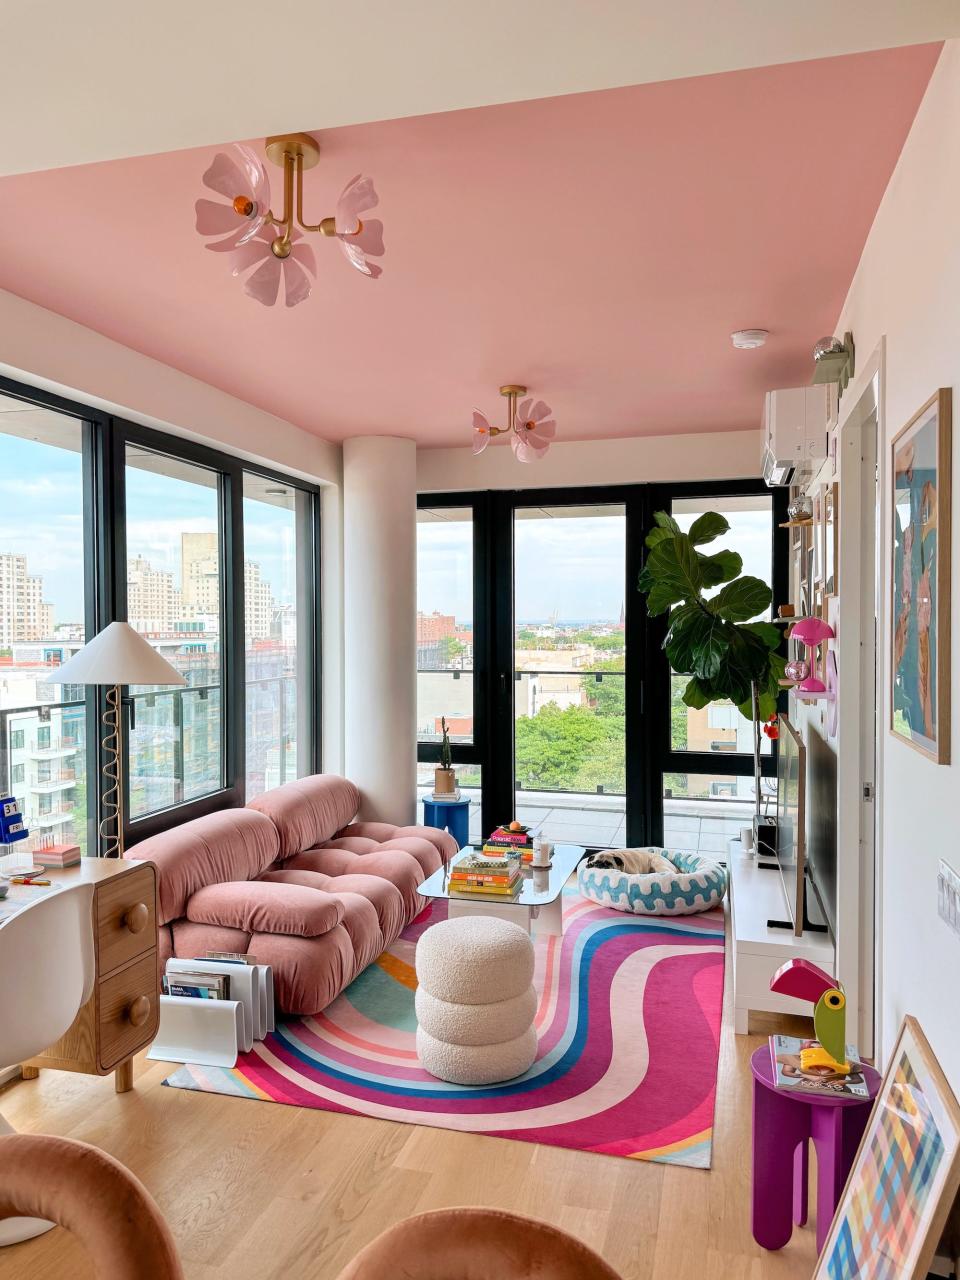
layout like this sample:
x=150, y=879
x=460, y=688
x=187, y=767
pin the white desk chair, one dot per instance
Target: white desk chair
x=46, y=974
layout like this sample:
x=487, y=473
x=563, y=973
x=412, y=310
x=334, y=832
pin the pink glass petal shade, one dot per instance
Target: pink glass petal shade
x=356, y=198
x=357, y=258
x=523, y=410
x=522, y=450
x=544, y=430
x=238, y=173
x=537, y=413
x=215, y=219
x=370, y=238
x=481, y=421
x=481, y=439
x=811, y=631
x=246, y=255
x=296, y=282
x=229, y=244
x=264, y=284
x=303, y=253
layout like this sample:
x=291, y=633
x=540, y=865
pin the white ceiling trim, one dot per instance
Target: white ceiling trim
x=109, y=79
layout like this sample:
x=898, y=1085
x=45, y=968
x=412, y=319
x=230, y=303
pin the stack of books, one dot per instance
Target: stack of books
x=516, y=840
x=449, y=796
x=476, y=874
x=53, y=856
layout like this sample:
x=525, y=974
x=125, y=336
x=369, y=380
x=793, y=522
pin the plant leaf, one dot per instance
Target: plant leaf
x=768, y=633
x=657, y=535
x=741, y=600
x=673, y=571
x=663, y=521
x=698, y=643
x=707, y=527
x=721, y=567
x=697, y=694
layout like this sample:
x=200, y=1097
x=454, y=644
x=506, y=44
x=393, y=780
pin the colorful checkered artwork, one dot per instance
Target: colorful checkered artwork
x=894, y=1176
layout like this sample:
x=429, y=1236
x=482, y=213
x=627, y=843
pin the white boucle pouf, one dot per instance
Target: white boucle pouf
x=476, y=1023
x=475, y=1000
x=475, y=960
x=476, y=1063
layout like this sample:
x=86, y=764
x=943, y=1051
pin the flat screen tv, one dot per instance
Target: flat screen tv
x=791, y=819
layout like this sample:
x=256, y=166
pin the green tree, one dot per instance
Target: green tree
x=451, y=648
x=573, y=749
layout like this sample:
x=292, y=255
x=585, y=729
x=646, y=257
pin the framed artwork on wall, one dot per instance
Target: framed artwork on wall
x=920, y=622
x=905, y=1175
x=830, y=517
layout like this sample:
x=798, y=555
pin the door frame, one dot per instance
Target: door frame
x=646, y=677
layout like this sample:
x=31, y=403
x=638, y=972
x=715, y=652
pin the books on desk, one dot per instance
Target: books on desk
x=477, y=873
x=789, y=1076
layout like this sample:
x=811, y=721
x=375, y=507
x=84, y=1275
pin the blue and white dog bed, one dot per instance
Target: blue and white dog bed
x=698, y=885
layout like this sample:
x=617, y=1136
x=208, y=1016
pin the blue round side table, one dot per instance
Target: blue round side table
x=449, y=815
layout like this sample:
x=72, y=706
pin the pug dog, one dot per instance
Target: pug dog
x=635, y=862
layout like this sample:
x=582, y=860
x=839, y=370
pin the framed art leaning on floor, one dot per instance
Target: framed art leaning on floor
x=920, y=604
x=905, y=1175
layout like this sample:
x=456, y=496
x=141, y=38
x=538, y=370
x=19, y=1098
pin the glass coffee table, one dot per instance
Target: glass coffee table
x=537, y=899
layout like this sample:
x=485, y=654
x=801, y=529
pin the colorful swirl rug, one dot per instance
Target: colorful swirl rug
x=629, y=1027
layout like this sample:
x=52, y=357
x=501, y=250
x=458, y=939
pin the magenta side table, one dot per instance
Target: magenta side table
x=783, y=1126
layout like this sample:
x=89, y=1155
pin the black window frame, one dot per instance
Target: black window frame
x=647, y=684
x=105, y=438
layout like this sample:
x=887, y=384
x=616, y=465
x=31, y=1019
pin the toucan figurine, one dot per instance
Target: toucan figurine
x=805, y=981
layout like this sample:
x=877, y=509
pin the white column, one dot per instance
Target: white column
x=379, y=613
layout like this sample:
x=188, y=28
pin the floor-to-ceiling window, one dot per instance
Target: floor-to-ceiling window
x=175, y=600
x=445, y=649
x=278, y=619
x=570, y=762
x=43, y=609
x=704, y=803
x=574, y=718
x=213, y=561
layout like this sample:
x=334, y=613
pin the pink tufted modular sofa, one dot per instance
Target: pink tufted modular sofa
x=292, y=880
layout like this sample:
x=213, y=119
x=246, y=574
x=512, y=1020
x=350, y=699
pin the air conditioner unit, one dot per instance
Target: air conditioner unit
x=795, y=425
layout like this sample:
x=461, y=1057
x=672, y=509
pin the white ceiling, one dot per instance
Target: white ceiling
x=110, y=78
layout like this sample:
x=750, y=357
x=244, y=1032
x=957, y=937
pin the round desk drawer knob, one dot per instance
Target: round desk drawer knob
x=139, y=1011
x=135, y=918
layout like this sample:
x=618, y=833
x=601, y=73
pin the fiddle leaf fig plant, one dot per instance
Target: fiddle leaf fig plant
x=711, y=638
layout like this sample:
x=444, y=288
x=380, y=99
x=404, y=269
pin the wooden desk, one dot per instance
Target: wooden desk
x=123, y=1012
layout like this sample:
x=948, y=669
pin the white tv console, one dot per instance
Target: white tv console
x=756, y=896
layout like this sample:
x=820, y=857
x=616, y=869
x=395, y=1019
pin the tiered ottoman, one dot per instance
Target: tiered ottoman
x=475, y=1000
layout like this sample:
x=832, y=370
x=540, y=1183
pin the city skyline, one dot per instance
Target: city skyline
x=41, y=515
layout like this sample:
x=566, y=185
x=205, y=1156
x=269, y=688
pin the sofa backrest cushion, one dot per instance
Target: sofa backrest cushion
x=265, y=907
x=309, y=811
x=232, y=844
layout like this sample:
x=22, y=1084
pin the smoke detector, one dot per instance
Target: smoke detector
x=749, y=339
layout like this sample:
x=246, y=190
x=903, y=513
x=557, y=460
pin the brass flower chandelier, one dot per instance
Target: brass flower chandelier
x=245, y=226
x=530, y=425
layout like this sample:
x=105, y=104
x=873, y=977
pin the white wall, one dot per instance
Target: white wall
x=907, y=287
x=46, y=350
x=720, y=455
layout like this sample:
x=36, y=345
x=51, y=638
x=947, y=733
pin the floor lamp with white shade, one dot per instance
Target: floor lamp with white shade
x=116, y=656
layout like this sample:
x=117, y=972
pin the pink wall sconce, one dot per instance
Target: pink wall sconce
x=811, y=632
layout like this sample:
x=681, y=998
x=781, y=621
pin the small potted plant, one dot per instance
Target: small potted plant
x=445, y=776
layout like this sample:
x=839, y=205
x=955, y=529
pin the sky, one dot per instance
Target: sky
x=41, y=516
x=573, y=566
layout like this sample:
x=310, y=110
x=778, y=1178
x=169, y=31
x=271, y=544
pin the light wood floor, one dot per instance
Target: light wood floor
x=257, y=1191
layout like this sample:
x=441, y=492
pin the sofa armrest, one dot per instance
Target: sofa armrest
x=263, y=907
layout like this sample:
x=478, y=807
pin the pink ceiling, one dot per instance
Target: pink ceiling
x=598, y=247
